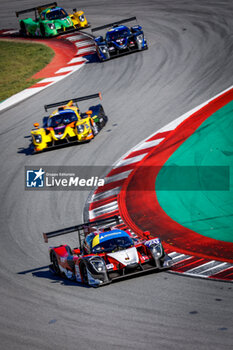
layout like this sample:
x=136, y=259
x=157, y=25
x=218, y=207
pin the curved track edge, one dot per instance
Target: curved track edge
x=103, y=202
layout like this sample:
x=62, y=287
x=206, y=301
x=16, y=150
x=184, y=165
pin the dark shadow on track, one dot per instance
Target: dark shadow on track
x=46, y=273
x=92, y=58
x=29, y=151
x=40, y=272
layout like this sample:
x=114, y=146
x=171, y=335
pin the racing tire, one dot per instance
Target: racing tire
x=23, y=30
x=103, y=115
x=69, y=251
x=107, y=56
x=139, y=45
x=84, y=273
x=55, y=263
x=42, y=30
x=160, y=263
x=94, y=129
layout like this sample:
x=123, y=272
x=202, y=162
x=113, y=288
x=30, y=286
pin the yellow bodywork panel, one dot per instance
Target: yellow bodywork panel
x=79, y=130
x=79, y=19
x=96, y=241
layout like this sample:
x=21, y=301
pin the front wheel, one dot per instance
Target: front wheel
x=106, y=56
x=55, y=263
x=94, y=129
x=139, y=45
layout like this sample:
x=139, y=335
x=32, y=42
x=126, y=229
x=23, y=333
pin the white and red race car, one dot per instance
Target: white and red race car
x=106, y=253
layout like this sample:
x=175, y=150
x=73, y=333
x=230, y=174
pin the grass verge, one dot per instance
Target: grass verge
x=19, y=62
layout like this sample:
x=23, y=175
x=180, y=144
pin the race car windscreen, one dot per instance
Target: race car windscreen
x=114, y=35
x=113, y=244
x=56, y=14
x=62, y=118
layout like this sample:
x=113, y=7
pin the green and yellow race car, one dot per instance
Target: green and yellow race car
x=66, y=124
x=51, y=20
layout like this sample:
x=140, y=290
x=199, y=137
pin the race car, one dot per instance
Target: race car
x=119, y=40
x=51, y=20
x=105, y=253
x=66, y=124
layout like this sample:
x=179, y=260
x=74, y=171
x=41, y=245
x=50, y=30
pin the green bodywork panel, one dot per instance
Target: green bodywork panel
x=45, y=27
x=34, y=27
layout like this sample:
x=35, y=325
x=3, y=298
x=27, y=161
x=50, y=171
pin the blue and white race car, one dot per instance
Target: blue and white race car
x=119, y=40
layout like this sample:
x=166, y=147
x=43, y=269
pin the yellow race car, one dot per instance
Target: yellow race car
x=79, y=19
x=66, y=124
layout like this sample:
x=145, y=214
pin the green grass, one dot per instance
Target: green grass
x=19, y=62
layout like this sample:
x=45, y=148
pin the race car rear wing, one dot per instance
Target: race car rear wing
x=78, y=99
x=83, y=229
x=38, y=8
x=114, y=24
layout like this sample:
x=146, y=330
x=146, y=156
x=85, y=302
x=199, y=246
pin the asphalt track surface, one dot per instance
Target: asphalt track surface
x=189, y=61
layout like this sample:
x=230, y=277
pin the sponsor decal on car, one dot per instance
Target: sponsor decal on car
x=109, y=266
x=152, y=241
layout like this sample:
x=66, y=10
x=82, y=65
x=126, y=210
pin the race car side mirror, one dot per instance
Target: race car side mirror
x=89, y=113
x=100, y=39
x=36, y=125
x=146, y=234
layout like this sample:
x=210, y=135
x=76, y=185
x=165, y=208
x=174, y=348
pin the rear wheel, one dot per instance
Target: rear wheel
x=23, y=30
x=55, y=263
x=42, y=30
x=84, y=273
x=103, y=117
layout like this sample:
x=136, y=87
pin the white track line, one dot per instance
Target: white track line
x=107, y=208
x=20, y=96
x=149, y=144
x=180, y=257
x=130, y=160
x=203, y=269
x=87, y=49
x=77, y=59
x=75, y=37
x=80, y=44
x=103, y=195
x=69, y=69
x=52, y=79
x=10, y=32
x=117, y=177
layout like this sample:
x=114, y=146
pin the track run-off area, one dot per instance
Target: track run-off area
x=188, y=62
x=72, y=51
